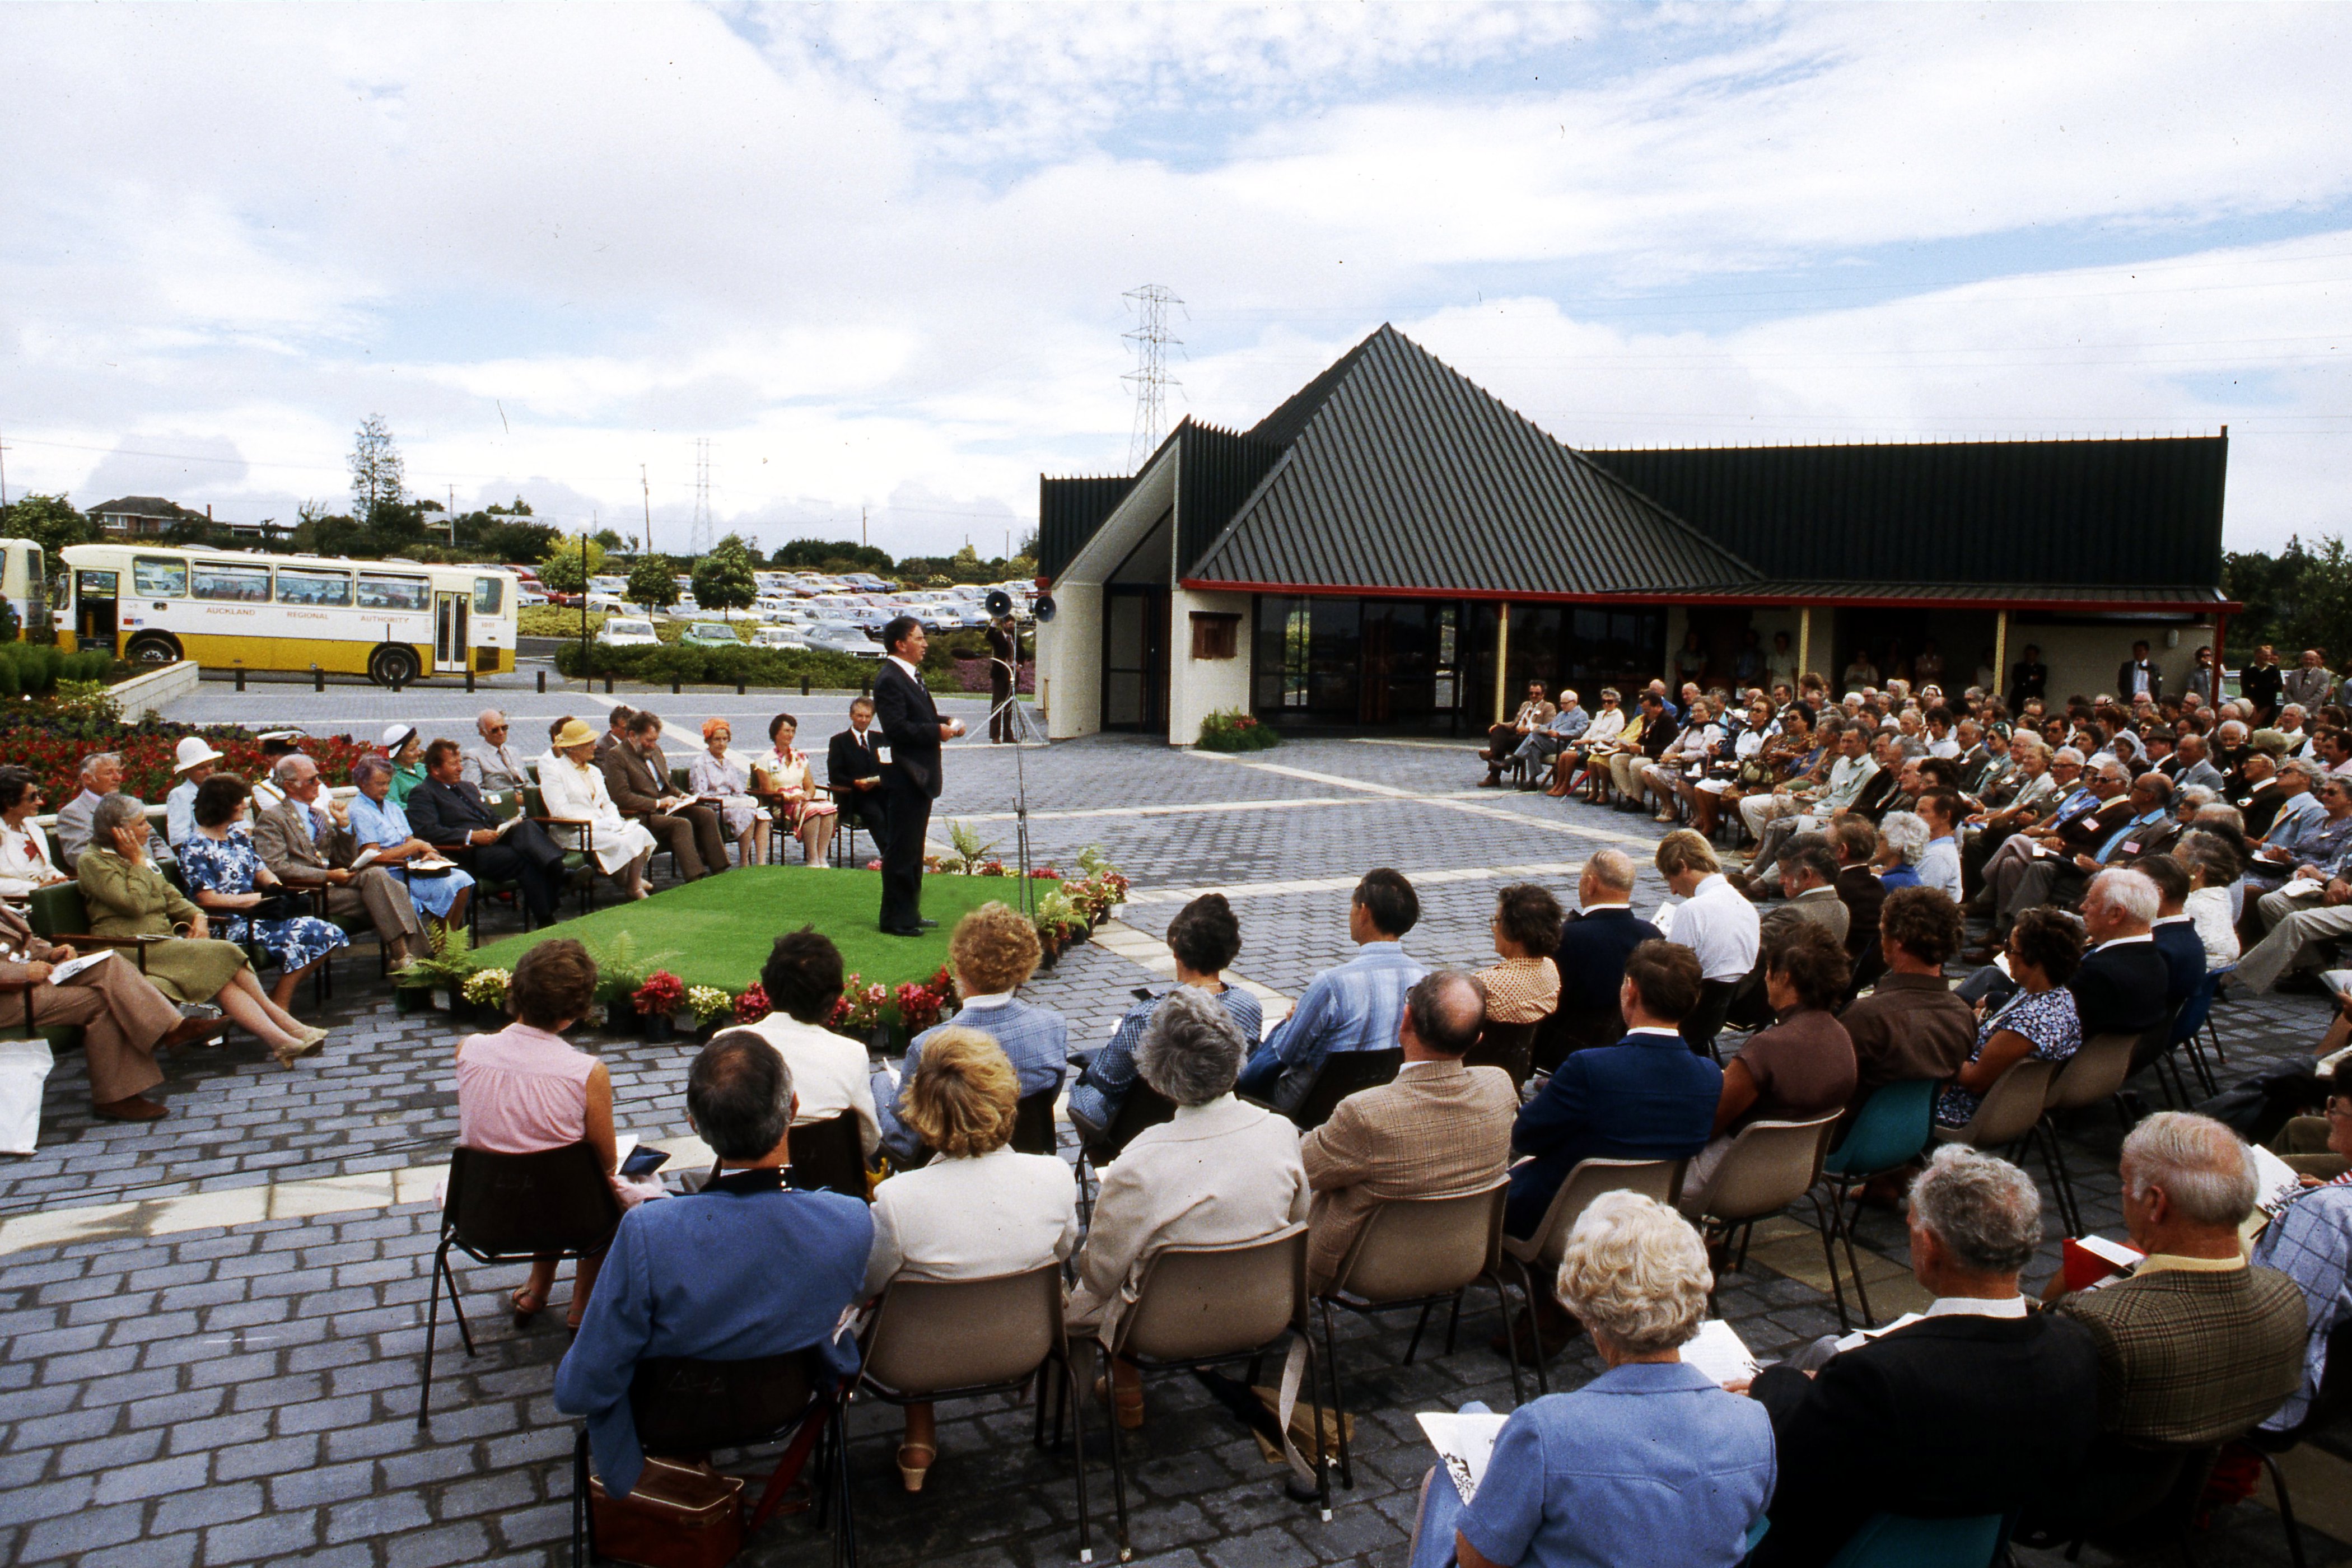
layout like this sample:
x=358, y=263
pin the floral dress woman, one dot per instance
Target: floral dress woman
x=2045, y=1019
x=230, y=865
x=783, y=775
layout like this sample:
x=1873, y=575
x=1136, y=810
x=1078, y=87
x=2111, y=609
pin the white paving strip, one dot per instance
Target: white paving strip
x=1151, y=952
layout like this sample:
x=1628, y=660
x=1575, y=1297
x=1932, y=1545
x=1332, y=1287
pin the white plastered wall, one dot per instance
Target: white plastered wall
x=1069, y=647
x=2083, y=660
x=1199, y=686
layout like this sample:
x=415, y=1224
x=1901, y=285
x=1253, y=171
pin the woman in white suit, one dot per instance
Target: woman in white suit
x=572, y=789
x=1223, y=1171
x=978, y=1210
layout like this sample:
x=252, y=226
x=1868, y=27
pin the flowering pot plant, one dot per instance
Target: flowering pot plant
x=486, y=989
x=860, y=1010
x=447, y=967
x=1060, y=923
x=752, y=1005
x=920, y=1003
x=662, y=993
x=1231, y=729
x=710, y=1005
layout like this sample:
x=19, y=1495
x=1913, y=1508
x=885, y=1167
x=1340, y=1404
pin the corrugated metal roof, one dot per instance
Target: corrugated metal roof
x=2110, y=512
x=1793, y=591
x=1402, y=472
x=1068, y=512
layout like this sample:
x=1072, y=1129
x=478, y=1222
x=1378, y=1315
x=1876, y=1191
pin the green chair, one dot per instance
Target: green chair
x=1894, y=1124
x=57, y=914
x=579, y=866
x=504, y=804
x=1898, y=1541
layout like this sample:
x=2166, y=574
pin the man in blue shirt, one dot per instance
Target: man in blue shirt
x=1354, y=1007
x=745, y=1268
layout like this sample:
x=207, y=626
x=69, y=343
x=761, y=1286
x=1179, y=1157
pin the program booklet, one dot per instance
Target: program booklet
x=1464, y=1444
x=61, y=972
x=1720, y=1352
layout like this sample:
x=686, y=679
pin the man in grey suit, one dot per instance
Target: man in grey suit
x=1809, y=872
x=101, y=775
x=306, y=840
x=493, y=764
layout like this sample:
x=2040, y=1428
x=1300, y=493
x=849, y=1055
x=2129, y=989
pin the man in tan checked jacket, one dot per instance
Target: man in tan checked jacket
x=1437, y=1129
x=2198, y=1345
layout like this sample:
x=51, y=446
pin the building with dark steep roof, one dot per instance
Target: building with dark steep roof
x=1394, y=546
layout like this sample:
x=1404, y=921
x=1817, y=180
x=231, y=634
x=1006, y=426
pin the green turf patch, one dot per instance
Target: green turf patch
x=717, y=932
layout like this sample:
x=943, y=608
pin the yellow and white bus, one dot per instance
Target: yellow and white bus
x=392, y=620
x=21, y=583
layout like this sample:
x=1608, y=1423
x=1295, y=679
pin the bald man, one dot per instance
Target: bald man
x=493, y=764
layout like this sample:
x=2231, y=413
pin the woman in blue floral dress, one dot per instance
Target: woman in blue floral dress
x=2046, y=948
x=225, y=877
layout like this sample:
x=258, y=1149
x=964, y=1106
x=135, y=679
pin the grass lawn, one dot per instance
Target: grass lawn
x=717, y=932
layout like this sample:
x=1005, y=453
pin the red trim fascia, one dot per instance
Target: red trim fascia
x=1323, y=590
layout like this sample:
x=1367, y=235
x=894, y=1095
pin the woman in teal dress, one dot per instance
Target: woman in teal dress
x=407, y=755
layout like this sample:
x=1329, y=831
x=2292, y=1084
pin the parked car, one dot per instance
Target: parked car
x=711, y=634
x=617, y=632
x=843, y=636
x=779, y=637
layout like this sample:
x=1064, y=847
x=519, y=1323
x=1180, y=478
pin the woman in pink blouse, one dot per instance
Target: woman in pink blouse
x=524, y=1089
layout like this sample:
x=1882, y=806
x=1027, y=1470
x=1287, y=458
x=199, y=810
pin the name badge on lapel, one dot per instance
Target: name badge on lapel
x=882, y=754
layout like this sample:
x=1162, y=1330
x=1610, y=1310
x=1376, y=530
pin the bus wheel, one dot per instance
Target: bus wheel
x=152, y=648
x=394, y=666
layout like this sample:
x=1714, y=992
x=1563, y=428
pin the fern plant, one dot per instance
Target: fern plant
x=968, y=847
x=621, y=969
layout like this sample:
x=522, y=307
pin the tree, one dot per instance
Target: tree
x=376, y=471
x=563, y=571
x=837, y=555
x=723, y=579
x=653, y=582
x=49, y=522
x=2300, y=598
x=610, y=539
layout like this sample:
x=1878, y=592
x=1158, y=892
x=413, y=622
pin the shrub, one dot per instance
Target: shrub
x=774, y=668
x=1231, y=729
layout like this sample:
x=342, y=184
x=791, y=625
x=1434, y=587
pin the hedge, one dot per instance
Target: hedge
x=774, y=668
x=30, y=668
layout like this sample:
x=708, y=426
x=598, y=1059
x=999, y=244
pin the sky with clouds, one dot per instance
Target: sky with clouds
x=876, y=255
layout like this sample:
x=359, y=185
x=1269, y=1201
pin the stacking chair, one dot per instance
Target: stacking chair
x=1706, y=1021
x=2009, y=1111
x=1197, y=1307
x=683, y=1406
x=2154, y=1050
x=1419, y=1252
x=1769, y=1165
x=829, y=1156
x=1510, y=1047
x=934, y=1340
x=2191, y=1024
x=513, y=1208
x=1344, y=1073
x=1894, y=1124
x=1033, y=1123
x=1899, y=1540
x=2093, y=1073
x=1566, y=1032
x=1144, y=1107
x=1659, y=1179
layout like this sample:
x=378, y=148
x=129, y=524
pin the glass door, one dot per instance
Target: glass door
x=449, y=635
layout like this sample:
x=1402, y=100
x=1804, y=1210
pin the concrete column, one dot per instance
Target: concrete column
x=1502, y=661
x=2001, y=652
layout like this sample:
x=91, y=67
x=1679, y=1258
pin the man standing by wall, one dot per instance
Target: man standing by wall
x=1004, y=661
x=912, y=731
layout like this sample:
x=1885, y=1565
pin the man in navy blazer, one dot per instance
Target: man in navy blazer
x=912, y=729
x=1593, y=943
x=2121, y=987
x=747, y=1268
x=1647, y=1097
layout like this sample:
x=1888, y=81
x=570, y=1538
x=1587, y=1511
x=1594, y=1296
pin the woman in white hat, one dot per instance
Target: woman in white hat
x=572, y=789
x=193, y=764
x=407, y=755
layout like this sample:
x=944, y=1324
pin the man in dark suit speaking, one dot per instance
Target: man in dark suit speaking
x=912, y=731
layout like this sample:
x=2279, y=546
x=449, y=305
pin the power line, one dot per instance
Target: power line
x=1150, y=377
x=700, y=541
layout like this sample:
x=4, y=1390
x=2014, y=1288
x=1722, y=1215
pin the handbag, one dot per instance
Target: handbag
x=676, y=1516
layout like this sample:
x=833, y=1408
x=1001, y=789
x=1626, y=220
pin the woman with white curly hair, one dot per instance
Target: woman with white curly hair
x=1651, y=1462
x=1902, y=841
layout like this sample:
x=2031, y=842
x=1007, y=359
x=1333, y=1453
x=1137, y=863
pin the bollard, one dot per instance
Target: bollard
x=673, y=688
x=804, y=683
x=739, y=689
x=608, y=683
x=470, y=680
x=318, y=679
x=542, y=683
x=240, y=677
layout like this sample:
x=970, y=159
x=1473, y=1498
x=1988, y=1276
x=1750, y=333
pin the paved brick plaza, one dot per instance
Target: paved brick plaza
x=227, y=1372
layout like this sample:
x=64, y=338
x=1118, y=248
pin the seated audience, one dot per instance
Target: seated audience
x=2039, y=1019
x=1715, y=920
x=2303, y=844
x=1502, y=740
x=2195, y=1347
x=2213, y=868
x=193, y=760
x=802, y=981
x=1437, y=1129
x=1553, y=736
x=2120, y=986
x=26, y=861
x=724, y=782
x=1981, y=1408
x=2173, y=933
x=745, y=1268
x=978, y=1211
x=1223, y=1171
x=128, y=897
x=855, y=774
x=1939, y=863
x=1601, y=734
x=493, y=764
x=1809, y=871
x=1648, y=1463
x=451, y=815
x=1911, y=1025
x=229, y=883
x=2310, y=1241
x=525, y=1089
x=782, y=776
x=1354, y=1007
x=1801, y=1068
x=637, y=774
x=306, y=841
x=404, y=748
x=1593, y=945
x=377, y=824
x=993, y=950
x=1523, y=987
x=1203, y=939
x=1902, y=844
x=1649, y=1097
x=572, y=790
x=101, y=776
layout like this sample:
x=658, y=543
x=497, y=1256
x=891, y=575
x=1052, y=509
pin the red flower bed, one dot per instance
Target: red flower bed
x=147, y=753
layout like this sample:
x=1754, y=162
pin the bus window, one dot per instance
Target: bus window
x=301, y=586
x=393, y=592
x=488, y=591
x=231, y=580
x=158, y=577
